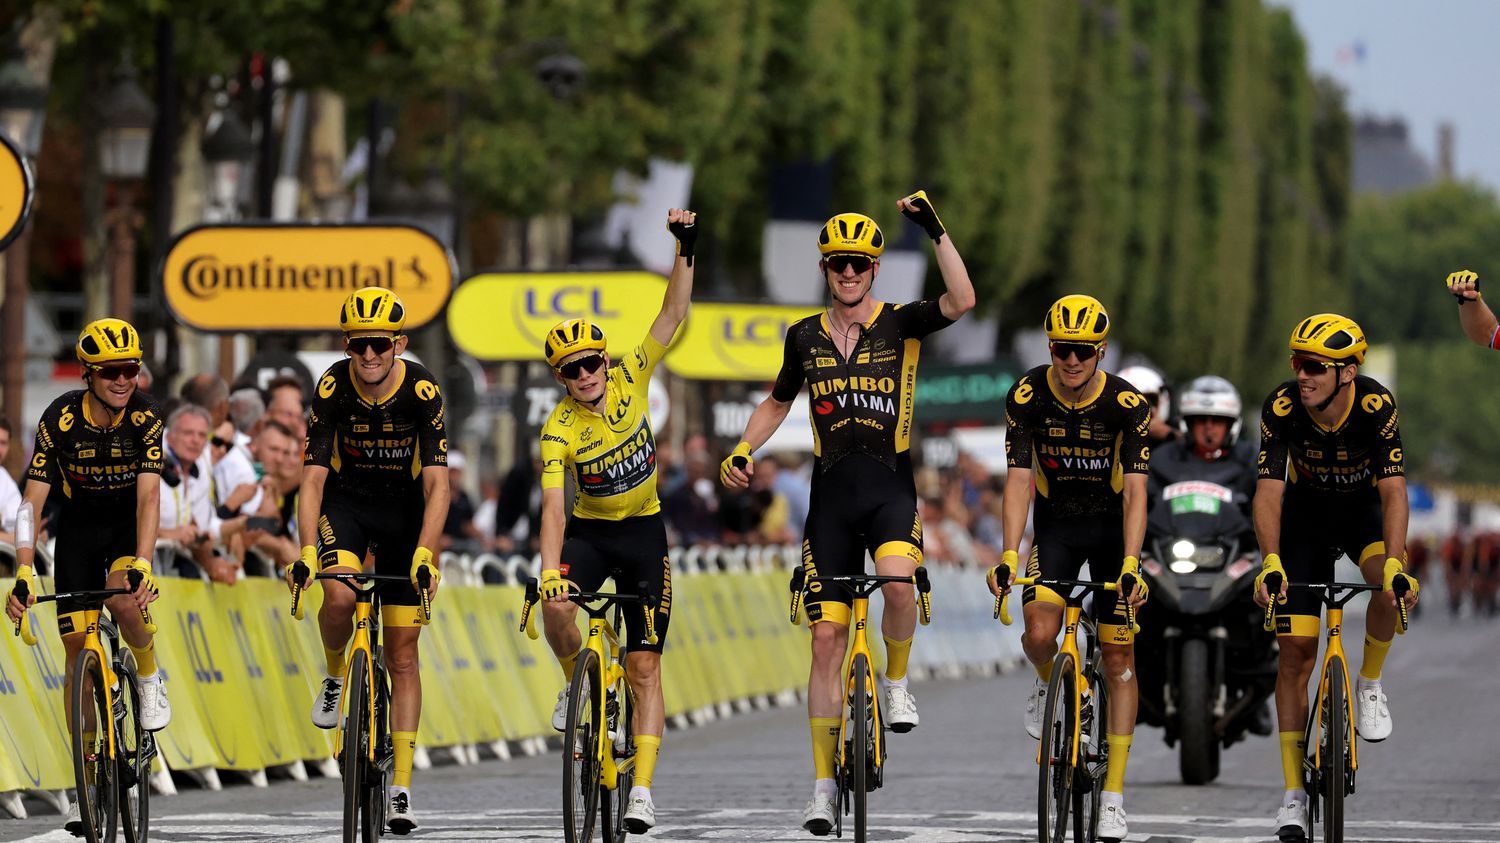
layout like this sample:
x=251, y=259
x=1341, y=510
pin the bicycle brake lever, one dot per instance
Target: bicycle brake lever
x=1002, y=580
x=424, y=581
x=1400, y=585
x=799, y=581
x=1127, y=583
x=1273, y=590
x=299, y=581
x=135, y=578
x=924, y=595
x=648, y=608
x=23, y=626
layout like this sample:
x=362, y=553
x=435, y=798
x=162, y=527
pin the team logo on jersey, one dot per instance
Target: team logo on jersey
x=1372, y=403
x=326, y=385
x=621, y=468
x=1130, y=400
x=826, y=362
x=139, y=417
x=1282, y=405
x=1395, y=455
x=65, y=423
x=426, y=390
x=39, y=461
x=153, y=453
x=1023, y=391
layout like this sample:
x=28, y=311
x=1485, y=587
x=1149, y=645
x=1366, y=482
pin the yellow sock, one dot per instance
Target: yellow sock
x=1119, y=756
x=646, y=749
x=405, y=745
x=335, y=660
x=1374, y=661
x=896, y=655
x=1292, y=750
x=568, y=663
x=145, y=658
x=1045, y=670
x=825, y=741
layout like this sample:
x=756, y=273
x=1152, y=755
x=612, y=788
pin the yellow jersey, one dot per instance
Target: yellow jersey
x=613, y=455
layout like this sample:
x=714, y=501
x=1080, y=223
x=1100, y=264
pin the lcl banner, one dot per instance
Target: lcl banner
x=506, y=316
x=294, y=277
x=740, y=342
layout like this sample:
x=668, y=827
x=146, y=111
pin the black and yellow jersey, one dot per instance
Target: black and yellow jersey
x=613, y=456
x=375, y=446
x=1080, y=452
x=863, y=403
x=1345, y=460
x=93, y=460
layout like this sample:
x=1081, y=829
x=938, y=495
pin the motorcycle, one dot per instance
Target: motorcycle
x=1206, y=666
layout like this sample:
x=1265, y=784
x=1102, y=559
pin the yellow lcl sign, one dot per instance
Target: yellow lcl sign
x=294, y=277
x=506, y=316
x=17, y=187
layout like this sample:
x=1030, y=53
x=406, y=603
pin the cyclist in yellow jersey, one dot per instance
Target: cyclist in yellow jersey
x=859, y=361
x=1331, y=482
x=1078, y=435
x=601, y=430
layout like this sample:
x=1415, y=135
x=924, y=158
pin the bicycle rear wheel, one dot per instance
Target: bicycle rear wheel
x=581, y=750
x=95, y=776
x=1055, y=769
x=356, y=745
x=137, y=748
x=858, y=760
x=1335, y=752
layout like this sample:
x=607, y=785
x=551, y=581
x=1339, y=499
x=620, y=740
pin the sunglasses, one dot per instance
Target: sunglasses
x=574, y=370
x=1313, y=367
x=219, y=443
x=839, y=263
x=1084, y=351
x=357, y=346
x=114, y=373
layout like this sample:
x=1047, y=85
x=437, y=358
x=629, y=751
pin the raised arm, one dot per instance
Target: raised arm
x=959, y=298
x=1474, y=314
x=674, y=305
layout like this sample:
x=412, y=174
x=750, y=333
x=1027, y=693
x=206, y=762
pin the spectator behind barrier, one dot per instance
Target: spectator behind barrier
x=286, y=403
x=692, y=509
x=188, y=519
x=518, y=510
x=211, y=393
x=459, y=532
x=484, y=514
x=278, y=456
x=10, y=495
x=234, y=473
x=246, y=409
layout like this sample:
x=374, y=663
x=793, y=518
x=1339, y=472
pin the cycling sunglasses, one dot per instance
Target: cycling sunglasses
x=357, y=346
x=117, y=371
x=1084, y=351
x=220, y=443
x=1312, y=366
x=574, y=370
x=838, y=263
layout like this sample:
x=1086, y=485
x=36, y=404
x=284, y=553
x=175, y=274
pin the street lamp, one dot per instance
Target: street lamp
x=227, y=150
x=23, y=106
x=124, y=151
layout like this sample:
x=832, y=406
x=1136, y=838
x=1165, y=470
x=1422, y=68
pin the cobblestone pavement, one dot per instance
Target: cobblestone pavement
x=966, y=774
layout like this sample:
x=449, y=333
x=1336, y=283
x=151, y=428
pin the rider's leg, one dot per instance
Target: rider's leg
x=825, y=693
x=561, y=629
x=1124, y=695
x=898, y=620
x=336, y=615
x=1043, y=619
x=127, y=616
x=401, y=663
x=1380, y=616
x=643, y=672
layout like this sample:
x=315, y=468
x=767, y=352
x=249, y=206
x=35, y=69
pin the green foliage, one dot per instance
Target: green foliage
x=1446, y=433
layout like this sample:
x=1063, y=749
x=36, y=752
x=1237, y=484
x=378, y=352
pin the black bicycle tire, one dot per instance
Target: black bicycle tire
x=1055, y=772
x=354, y=737
x=1091, y=772
x=1336, y=736
x=860, y=746
x=1198, y=748
x=613, y=820
x=135, y=822
x=88, y=673
x=377, y=777
x=578, y=825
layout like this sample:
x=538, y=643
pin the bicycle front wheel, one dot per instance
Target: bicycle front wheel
x=581, y=750
x=137, y=748
x=356, y=745
x=614, y=804
x=1088, y=777
x=96, y=778
x=1335, y=752
x=1055, y=763
x=859, y=758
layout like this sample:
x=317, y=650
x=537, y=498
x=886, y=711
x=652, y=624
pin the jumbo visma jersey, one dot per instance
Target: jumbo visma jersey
x=375, y=446
x=863, y=403
x=1080, y=452
x=96, y=460
x=1345, y=460
x=612, y=456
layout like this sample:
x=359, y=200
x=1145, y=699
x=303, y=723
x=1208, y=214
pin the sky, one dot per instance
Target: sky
x=1425, y=60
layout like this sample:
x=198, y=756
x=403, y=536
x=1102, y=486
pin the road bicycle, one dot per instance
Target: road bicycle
x=1332, y=757
x=598, y=740
x=859, y=765
x=1073, y=754
x=112, y=753
x=364, y=750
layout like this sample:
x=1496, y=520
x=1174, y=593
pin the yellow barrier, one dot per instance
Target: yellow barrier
x=242, y=672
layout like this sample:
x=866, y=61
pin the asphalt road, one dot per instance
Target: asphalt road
x=966, y=774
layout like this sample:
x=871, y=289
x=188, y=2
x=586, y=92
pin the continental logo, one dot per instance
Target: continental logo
x=885, y=386
x=207, y=276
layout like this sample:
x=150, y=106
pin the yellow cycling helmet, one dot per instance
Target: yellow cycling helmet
x=1077, y=318
x=1331, y=335
x=571, y=336
x=104, y=341
x=372, y=309
x=851, y=234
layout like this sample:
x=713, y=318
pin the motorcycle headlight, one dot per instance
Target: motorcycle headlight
x=1183, y=549
x=1188, y=557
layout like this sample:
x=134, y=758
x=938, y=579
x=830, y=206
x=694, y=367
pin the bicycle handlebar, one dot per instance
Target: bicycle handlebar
x=92, y=596
x=1001, y=574
x=801, y=583
x=348, y=578
x=583, y=598
x=1400, y=585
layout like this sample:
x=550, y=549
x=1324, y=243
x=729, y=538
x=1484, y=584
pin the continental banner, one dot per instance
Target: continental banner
x=742, y=342
x=294, y=277
x=17, y=189
x=506, y=316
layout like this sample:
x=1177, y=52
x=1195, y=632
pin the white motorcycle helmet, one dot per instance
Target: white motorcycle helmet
x=1147, y=381
x=1211, y=395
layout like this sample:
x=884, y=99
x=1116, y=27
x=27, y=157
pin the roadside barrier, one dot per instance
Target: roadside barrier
x=242, y=672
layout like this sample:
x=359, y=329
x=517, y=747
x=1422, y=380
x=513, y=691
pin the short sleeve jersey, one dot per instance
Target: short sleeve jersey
x=613, y=455
x=96, y=461
x=376, y=446
x=863, y=403
x=1079, y=451
x=1346, y=460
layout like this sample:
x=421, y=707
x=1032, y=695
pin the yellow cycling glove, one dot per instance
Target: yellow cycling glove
x=1394, y=566
x=1132, y=566
x=309, y=559
x=553, y=585
x=741, y=450
x=1268, y=566
x=423, y=558
x=1464, y=276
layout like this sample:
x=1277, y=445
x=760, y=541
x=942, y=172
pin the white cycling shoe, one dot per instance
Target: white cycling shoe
x=1036, y=707
x=900, y=709
x=560, y=711
x=1112, y=824
x=640, y=816
x=325, y=711
x=818, y=816
x=156, y=710
x=1291, y=822
x=398, y=813
x=1374, y=714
